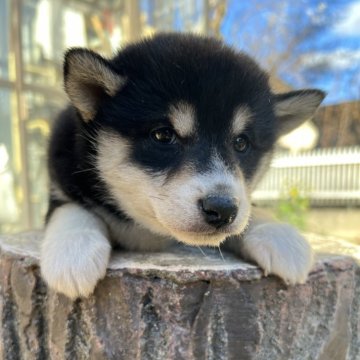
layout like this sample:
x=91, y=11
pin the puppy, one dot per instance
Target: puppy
x=165, y=142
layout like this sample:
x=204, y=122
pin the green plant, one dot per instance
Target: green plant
x=293, y=206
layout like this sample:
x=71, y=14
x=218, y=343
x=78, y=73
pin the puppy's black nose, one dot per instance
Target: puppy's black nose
x=219, y=210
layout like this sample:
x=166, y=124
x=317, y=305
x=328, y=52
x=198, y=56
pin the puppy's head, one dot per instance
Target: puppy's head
x=185, y=127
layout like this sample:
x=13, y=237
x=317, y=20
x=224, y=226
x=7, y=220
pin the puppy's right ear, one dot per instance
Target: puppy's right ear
x=88, y=79
x=295, y=107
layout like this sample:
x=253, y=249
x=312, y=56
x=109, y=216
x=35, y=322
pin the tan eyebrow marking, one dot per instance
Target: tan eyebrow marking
x=242, y=116
x=182, y=118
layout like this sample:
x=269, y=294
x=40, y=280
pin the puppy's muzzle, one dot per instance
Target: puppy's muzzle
x=218, y=210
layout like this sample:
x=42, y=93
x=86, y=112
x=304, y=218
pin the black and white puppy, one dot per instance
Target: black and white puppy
x=164, y=142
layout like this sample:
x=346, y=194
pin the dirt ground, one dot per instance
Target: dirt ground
x=344, y=223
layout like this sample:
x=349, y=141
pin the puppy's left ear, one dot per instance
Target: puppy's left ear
x=295, y=107
x=89, y=79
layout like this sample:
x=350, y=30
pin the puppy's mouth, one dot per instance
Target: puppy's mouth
x=204, y=236
x=200, y=239
x=226, y=231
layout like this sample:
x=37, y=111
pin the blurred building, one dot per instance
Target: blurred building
x=339, y=125
x=33, y=37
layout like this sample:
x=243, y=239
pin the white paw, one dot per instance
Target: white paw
x=72, y=262
x=279, y=249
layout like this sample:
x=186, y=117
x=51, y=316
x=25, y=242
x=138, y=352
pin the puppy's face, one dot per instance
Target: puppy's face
x=175, y=181
x=184, y=130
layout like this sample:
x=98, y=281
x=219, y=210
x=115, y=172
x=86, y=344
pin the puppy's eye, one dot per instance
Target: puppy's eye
x=241, y=144
x=164, y=135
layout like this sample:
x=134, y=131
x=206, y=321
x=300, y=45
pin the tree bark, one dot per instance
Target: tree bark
x=179, y=305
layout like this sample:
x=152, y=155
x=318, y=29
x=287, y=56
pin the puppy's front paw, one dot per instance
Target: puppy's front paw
x=72, y=262
x=279, y=249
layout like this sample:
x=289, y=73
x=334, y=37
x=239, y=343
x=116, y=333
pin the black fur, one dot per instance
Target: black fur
x=160, y=72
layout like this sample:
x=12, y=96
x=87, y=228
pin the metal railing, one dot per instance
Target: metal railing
x=327, y=177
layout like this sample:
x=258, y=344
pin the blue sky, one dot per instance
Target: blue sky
x=309, y=43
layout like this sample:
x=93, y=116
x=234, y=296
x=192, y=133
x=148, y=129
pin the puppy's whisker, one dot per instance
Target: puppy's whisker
x=87, y=137
x=158, y=197
x=221, y=254
x=201, y=250
x=85, y=170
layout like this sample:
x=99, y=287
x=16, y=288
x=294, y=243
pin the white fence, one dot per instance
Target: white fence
x=328, y=177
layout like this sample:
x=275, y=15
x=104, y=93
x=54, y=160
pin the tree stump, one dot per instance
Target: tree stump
x=183, y=304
